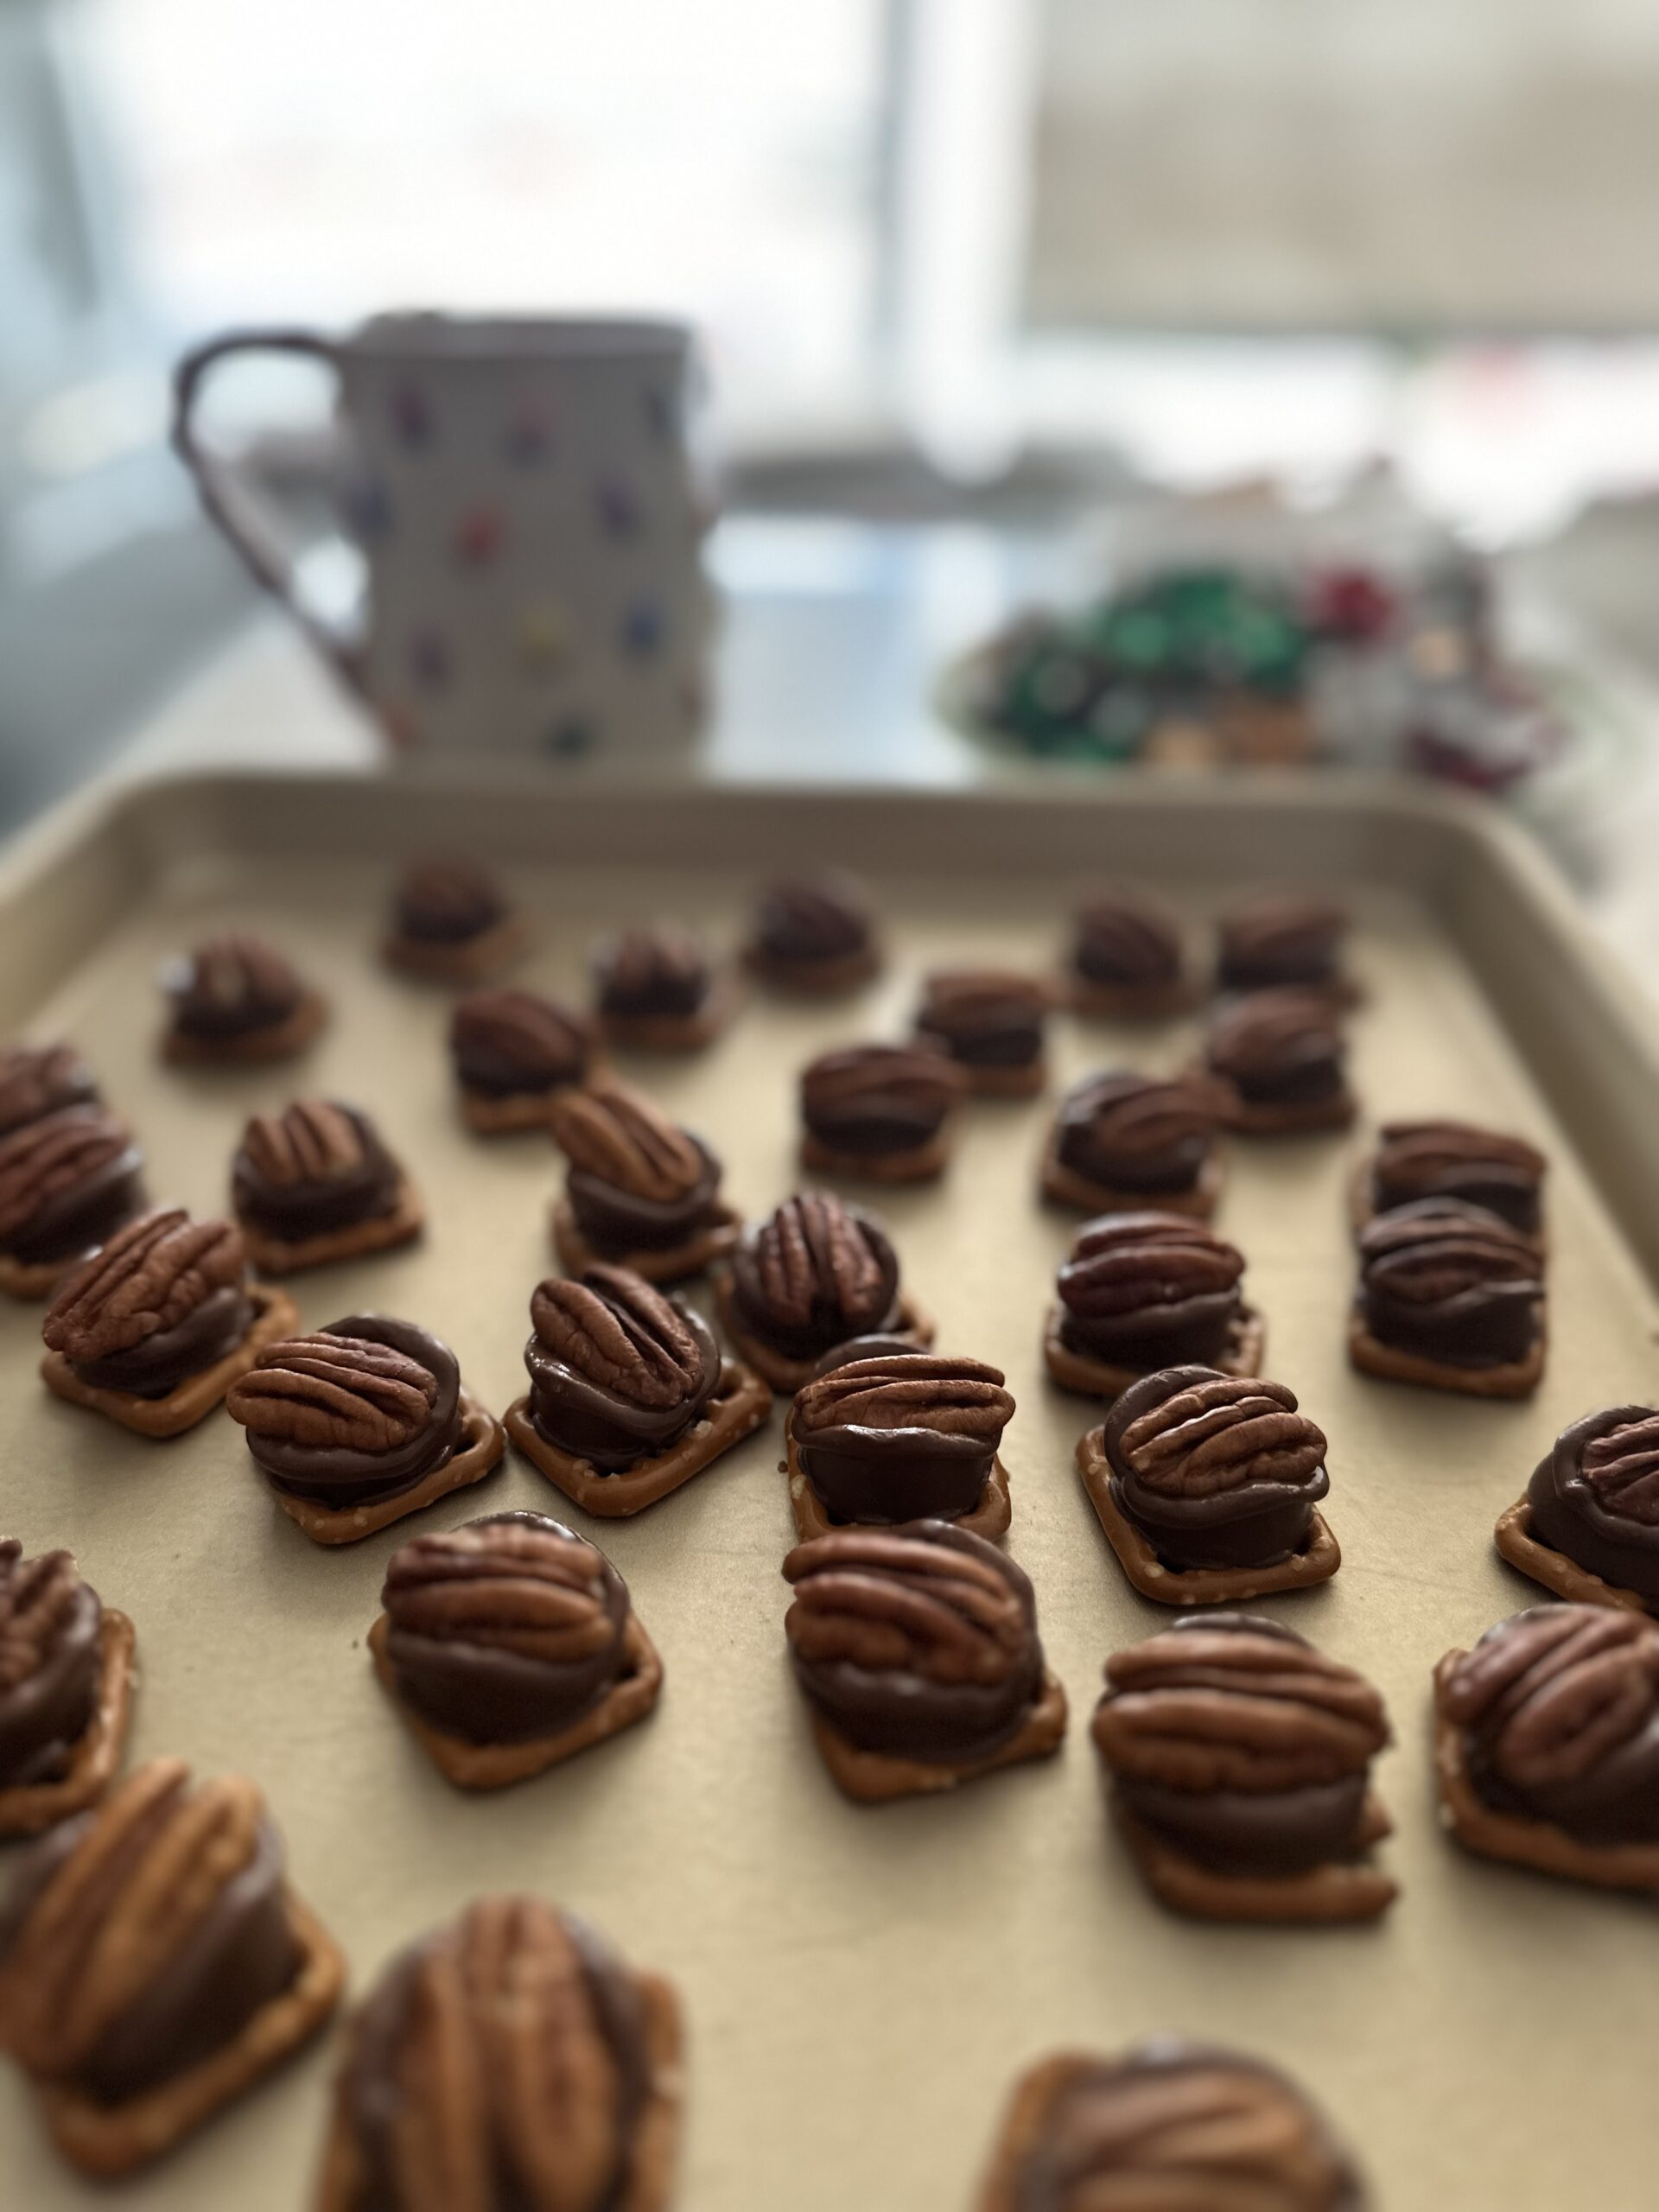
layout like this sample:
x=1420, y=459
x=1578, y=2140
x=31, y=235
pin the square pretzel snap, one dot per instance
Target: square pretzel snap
x=494, y=1766
x=658, y=1263
x=1515, y=1378
x=274, y=1316
x=1063, y=1186
x=479, y=1450
x=106, y=2141
x=1552, y=1570
x=1336, y=1891
x=1088, y=1377
x=918, y=1163
x=279, y=1040
x=384, y=1232
x=1316, y=1561
x=740, y=1403
x=879, y=1777
x=28, y=1807
x=990, y=1517
x=1537, y=1845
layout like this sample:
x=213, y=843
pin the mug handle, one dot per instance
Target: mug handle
x=232, y=504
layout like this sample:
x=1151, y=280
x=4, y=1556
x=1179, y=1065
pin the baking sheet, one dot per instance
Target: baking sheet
x=861, y=1985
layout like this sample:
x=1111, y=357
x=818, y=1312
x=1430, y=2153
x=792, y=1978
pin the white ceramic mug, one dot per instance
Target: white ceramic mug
x=523, y=494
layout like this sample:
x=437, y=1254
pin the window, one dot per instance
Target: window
x=325, y=158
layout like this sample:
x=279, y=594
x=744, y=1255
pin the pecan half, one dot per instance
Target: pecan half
x=648, y=970
x=1289, y=935
x=1126, y=1262
x=615, y=1330
x=1220, y=1433
x=1622, y=1468
x=817, y=1261
x=1424, y=1159
x=1125, y=939
x=334, y=1393
x=918, y=1390
x=233, y=981
x=151, y=1276
x=876, y=1080
x=37, y=1079
x=38, y=1599
x=907, y=1602
x=1229, y=1702
x=47, y=1159
x=311, y=1141
x=516, y=1582
x=1273, y=1033
x=1440, y=1248
x=1135, y=1117
x=501, y=2058
x=153, y=1861
x=1557, y=1690
x=1175, y=2128
x=821, y=917
x=522, y=1031
x=620, y=1138
x=449, y=899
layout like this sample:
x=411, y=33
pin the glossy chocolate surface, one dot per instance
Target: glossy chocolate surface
x=878, y=1346
x=888, y=1476
x=909, y=1437
x=1233, y=1833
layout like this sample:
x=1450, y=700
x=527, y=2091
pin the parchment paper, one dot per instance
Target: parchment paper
x=862, y=1985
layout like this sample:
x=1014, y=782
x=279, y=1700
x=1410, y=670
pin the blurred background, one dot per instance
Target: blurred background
x=1003, y=304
